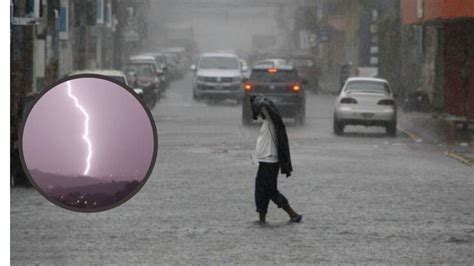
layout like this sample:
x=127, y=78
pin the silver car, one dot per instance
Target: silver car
x=218, y=76
x=368, y=102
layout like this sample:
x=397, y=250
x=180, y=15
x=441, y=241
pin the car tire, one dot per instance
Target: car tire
x=196, y=97
x=391, y=129
x=301, y=117
x=338, y=127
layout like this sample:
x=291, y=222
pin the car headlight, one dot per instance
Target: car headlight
x=237, y=79
x=201, y=78
x=138, y=91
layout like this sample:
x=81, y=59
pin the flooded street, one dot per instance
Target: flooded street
x=365, y=197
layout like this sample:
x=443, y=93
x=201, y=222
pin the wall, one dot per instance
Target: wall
x=459, y=60
x=436, y=9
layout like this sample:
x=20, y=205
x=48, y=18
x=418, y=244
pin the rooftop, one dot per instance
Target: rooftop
x=104, y=72
x=366, y=79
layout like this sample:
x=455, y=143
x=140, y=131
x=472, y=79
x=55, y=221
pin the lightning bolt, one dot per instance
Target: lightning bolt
x=85, y=137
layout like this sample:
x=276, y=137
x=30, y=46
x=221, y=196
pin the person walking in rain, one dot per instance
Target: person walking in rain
x=273, y=153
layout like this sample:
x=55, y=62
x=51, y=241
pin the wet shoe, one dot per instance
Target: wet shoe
x=296, y=219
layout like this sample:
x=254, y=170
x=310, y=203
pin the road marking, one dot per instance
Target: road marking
x=412, y=136
x=461, y=158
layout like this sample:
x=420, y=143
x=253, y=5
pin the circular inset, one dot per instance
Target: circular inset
x=88, y=143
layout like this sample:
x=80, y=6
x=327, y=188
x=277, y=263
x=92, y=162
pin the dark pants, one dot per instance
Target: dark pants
x=266, y=187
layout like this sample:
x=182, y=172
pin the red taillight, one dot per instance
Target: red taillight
x=296, y=88
x=248, y=87
x=348, y=100
x=386, y=102
x=272, y=70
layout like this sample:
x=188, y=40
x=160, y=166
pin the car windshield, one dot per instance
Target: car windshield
x=145, y=70
x=367, y=86
x=264, y=75
x=270, y=63
x=219, y=62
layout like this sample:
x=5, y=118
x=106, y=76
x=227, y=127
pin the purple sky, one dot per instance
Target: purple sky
x=120, y=133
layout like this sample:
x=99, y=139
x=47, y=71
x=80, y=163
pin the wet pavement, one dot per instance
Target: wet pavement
x=366, y=198
x=435, y=129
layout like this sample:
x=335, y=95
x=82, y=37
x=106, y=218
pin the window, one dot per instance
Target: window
x=367, y=86
x=100, y=11
x=219, y=62
x=263, y=75
x=64, y=20
x=141, y=70
x=108, y=15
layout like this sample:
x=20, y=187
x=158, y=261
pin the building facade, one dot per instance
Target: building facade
x=444, y=31
x=52, y=38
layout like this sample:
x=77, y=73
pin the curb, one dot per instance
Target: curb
x=459, y=157
x=411, y=135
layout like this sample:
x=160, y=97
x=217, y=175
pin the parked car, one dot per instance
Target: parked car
x=172, y=65
x=280, y=84
x=144, y=58
x=218, y=76
x=111, y=73
x=307, y=69
x=142, y=75
x=367, y=102
x=182, y=59
x=162, y=64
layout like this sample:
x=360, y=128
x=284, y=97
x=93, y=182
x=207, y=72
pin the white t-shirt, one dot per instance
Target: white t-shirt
x=266, y=149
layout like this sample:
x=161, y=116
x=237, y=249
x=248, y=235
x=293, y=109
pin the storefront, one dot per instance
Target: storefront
x=452, y=53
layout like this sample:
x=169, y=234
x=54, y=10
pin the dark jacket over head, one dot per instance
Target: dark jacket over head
x=257, y=102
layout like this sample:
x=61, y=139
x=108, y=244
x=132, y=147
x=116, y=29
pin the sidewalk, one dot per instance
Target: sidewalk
x=428, y=128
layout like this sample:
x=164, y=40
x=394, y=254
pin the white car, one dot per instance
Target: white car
x=217, y=76
x=368, y=102
x=111, y=73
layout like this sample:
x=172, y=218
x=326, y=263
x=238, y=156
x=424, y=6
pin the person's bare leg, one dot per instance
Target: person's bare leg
x=294, y=217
